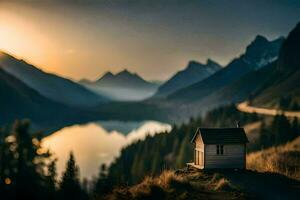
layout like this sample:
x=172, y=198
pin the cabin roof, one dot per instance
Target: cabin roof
x=221, y=135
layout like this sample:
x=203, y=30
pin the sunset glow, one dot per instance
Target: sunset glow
x=86, y=40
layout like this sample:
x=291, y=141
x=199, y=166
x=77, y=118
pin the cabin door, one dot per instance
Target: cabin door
x=199, y=158
x=201, y=162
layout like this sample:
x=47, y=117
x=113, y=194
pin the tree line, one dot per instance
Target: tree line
x=27, y=171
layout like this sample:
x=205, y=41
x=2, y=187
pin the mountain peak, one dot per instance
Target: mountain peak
x=260, y=38
x=260, y=42
x=210, y=62
x=261, y=51
x=210, y=65
x=108, y=74
x=193, y=64
x=194, y=72
x=124, y=72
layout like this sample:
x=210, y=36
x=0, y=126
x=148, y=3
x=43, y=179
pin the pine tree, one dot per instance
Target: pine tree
x=51, y=180
x=103, y=184
x=30, y=182
x=281, y=129
x=70, y=187
x=264, y=136
x=184, y=153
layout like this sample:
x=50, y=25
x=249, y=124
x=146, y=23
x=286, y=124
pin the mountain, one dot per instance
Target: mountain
x=125, y=78
x=19, y=101
x=275, y=85
x=123, y=86
x=239, y=90
x=289, y=54
x=258, y=54
x=194, y=72
x=283, y=82
x=49, y=85
x=242, y=78
x=262, y=52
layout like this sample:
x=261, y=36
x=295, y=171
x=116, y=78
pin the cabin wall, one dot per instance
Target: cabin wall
x=199, y=151
x=233, y=156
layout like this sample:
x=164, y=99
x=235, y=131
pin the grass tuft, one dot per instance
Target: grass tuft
x=224, y=185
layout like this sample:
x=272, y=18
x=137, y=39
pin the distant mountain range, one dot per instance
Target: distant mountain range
x=194, y=72
x=243, y=78
x=266, y=86
x=123, y=86
x=265, y=73
x=258, y=54
x=49, y=85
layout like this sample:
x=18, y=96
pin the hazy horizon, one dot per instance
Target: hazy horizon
x=155, y=39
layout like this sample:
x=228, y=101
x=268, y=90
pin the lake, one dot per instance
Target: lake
x=98, y=142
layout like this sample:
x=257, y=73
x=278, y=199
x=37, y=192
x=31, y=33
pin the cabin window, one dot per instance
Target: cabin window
x=220, y=149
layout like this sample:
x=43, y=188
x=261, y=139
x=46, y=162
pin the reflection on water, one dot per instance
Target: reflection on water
x=98, y=142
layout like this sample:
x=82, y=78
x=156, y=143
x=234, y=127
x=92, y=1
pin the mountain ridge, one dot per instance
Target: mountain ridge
x=19, y=101
x=283, y=82
x=247, y=62
x=122, y=86
x=192, y=73
x=49, y=85
x=123, y=77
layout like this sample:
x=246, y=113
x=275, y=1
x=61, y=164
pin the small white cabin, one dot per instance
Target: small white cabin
x=219, y=148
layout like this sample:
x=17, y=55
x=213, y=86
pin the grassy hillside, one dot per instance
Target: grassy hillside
x=284, y=159
x=274, y=95
x=180, y=185
x=213, y=184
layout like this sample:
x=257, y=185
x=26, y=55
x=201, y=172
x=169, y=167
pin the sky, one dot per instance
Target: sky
x=86, y=38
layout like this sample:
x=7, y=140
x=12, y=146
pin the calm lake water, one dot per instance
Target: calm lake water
x=99, y=142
